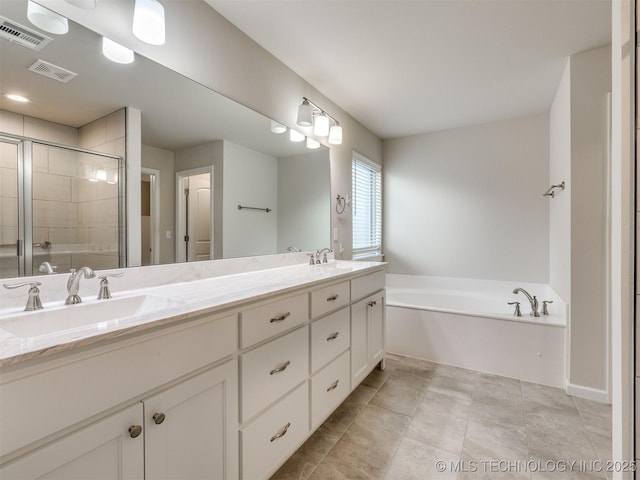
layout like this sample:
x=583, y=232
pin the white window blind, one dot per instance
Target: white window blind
x=366, y=195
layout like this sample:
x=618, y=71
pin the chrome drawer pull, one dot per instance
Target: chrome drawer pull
x=281, y=317
x=333, y=386
x=371, y=304
x=281, y=368
x=332, y=298
x=333, y=336
x=282, y=433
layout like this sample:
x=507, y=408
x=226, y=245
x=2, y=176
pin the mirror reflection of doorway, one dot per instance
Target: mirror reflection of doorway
x=149, y=211
x=194, y=214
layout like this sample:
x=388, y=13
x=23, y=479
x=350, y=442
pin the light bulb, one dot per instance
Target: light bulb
x=321, y=126
x=46, y=19
x=295, y=136
x=148, y=22
x=116, y=52
x=335, y=135
x=312, y=144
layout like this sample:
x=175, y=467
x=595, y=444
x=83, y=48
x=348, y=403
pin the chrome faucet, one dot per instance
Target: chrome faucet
x=324, y=258
x=46, y=267
x=532, y=300
x=73, y=284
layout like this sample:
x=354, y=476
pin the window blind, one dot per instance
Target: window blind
x=366, y=195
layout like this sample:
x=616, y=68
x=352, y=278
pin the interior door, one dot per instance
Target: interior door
x=199, y=205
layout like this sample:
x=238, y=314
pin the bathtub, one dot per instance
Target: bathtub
x=467, y=323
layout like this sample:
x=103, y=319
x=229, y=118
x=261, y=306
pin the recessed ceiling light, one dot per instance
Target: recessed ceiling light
x=16, y=98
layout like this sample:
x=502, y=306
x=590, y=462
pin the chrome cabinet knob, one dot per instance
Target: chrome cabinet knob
x=135, y=431
x=158, y=418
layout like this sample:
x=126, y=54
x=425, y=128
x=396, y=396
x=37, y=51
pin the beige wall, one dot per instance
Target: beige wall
x=239, y=68
x=590, y=82
x=467, y=202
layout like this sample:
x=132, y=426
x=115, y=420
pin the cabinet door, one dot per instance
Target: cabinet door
x=376, y=327
x=359, y=343
x=104, y=450
x=191, y=429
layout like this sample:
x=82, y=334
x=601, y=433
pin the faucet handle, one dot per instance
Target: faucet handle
x=312, y=258
x=33, y=302
x=545, y=310
x=517, y=312
x=104, y=293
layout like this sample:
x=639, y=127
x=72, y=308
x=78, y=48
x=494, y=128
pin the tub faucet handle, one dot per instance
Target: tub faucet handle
x=33, y=301
x=517, y=312
x=545, y=310
x=104, y=293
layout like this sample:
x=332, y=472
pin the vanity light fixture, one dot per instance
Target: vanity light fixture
x=116, y=52
x=46, y=19
x=295, y=136
x=148, y=22
x=335, y=134
x=312, y=144
x=277, y=127
x=17, y=98
x=311, y=114
x=305, y=114
x=86, y=4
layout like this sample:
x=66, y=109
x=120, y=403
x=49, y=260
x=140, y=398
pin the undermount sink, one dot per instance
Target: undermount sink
x=43, y=322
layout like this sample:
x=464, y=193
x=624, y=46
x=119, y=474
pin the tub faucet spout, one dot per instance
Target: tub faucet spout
x=532, y=300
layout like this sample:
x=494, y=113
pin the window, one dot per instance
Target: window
x=366, y=194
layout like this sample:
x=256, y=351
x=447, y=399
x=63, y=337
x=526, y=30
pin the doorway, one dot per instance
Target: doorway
x=194, y=214
x=149, y=221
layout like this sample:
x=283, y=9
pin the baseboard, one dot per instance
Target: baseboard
x=587, y=393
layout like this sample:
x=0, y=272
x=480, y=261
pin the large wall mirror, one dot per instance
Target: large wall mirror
x=217, y=181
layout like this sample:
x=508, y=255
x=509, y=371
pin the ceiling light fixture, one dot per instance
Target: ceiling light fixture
x=311, y=114
x=295, y=136
x=16, y=98
x=116, y=52
x=277, y=127
x=46, y=19
x=312, y=144
x=148, y=22
x=86, y=4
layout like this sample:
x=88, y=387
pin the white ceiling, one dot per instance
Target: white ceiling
x=405, y=67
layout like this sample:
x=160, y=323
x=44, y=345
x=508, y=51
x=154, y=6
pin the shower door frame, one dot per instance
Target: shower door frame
x=25, y=198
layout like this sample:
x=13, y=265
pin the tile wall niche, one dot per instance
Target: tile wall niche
x=78, y=216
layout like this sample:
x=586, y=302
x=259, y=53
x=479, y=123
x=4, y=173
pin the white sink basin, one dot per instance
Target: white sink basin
x=43, y=322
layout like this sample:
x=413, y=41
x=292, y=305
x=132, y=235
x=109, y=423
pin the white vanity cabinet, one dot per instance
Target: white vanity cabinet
x=109, y=449
x=222, y=395
x=367, y=326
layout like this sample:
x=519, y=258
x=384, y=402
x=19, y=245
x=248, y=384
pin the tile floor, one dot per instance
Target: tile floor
x=400, y=422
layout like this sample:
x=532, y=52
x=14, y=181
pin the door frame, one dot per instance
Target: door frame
x=180, y=232
x=154, y=174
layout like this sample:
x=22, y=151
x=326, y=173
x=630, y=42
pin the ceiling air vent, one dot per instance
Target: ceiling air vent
x=52, y=71
x=14, y=32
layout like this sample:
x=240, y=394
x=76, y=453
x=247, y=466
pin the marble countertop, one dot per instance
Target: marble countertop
x=184, y=300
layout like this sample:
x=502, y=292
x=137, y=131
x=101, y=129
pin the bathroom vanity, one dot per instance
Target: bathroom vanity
x=226, y=380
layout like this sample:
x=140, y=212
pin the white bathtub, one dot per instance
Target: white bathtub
x=467, y=323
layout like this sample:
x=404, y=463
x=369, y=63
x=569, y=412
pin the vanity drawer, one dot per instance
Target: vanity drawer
x=270, y=371
x=272, y=437
x=367, y=284
x=327, y=299
x=330, y=336
x=329, y=387
x=270, y=319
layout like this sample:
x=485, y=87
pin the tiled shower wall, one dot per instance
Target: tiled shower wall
x=78, y=216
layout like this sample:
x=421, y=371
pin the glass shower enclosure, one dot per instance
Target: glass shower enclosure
x=61, y=208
